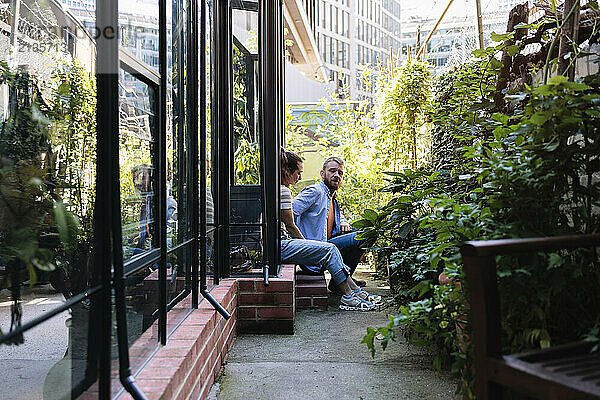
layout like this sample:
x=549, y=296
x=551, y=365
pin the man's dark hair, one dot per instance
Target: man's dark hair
x=336, y=159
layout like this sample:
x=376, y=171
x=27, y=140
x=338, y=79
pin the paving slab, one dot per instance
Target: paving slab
x=324, y=359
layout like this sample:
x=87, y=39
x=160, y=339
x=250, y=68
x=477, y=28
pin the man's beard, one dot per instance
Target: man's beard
x=333, y=186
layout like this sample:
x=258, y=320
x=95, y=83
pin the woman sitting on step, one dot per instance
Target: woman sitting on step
x=297, y=250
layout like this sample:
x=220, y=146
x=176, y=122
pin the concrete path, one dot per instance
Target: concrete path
x=23, y=368
x=324, y=359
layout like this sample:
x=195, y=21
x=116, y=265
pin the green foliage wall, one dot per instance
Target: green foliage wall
x=348, y=133
x=74, y=137
x=531, y=170
x=372, y=140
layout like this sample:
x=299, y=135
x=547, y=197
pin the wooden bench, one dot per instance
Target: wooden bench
x=559, y=372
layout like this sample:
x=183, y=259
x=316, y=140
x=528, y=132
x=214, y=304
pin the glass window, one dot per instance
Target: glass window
x=317, y=13
x=332, y=54
x=139, y=30
x=246, y=159
x=47, y=184
x=347, y=23
x=322, y=13
x=347, y=54
x=245, y=232
x=336, y=27
x=209, y=192
x=137, y=121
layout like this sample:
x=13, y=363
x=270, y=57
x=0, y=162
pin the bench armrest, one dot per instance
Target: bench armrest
x=483, y=248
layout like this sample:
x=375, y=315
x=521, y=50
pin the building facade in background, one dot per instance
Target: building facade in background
x=456, y=36
x=352, y=35
x=454, y=39
x=138, y=22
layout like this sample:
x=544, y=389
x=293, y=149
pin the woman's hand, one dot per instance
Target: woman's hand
x=287, y=217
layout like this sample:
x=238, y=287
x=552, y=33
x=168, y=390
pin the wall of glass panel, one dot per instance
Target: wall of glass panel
x=49, y=284
x=126, y=182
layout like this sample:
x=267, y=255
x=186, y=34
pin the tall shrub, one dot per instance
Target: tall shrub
x=403, y=94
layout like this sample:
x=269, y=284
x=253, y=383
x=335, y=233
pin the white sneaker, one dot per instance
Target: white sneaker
x=371, y=298
x=355, y=303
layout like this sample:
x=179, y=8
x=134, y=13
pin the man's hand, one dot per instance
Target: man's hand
x=345, y=227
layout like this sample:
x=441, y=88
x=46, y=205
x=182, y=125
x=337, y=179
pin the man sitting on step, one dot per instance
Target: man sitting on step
x=318, y=216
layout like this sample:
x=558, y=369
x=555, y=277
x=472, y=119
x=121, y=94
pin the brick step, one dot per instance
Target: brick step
x=267, y=309
x=300, y=278
x=311, y=291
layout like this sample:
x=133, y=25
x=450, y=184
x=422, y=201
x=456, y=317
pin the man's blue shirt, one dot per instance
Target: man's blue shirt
x=311, y=209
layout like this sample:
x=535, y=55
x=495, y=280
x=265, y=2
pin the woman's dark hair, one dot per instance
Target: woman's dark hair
x=290, y=162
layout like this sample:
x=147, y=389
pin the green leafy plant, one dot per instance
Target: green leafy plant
x=247, y=152
x=34, y=218
x=246, y=163
x=403, y=95
x=527, y=172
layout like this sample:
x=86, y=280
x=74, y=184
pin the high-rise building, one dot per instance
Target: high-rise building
x=455, y=37
x=507, y=5
x=351, y=35
x=138, y=24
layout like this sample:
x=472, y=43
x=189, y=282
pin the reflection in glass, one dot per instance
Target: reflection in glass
x=209, y=191
x=178, y=280
x=47, y=183
x=141, y=297
x=177, y=131
x=245, y=98
x=210, y=233
x=51, y=363
x=136, y=145
x=138, y=29
x=245, y=235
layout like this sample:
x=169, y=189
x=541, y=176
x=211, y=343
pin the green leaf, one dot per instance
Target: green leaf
x=557, y=80
x=60, y=216
x=523, y=25
x=501, y=37
x=362, y=223
x=519, y=140
x=577, y=86
x=369, y=340
x=513, y=50
x=370, y=215
x=554, y=260
x=421, y=287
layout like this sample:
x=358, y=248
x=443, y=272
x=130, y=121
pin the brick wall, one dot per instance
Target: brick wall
x=267, y=308
x=187, y=366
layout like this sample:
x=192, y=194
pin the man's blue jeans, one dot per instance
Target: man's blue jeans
x=350, y=249
x=318, y=255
